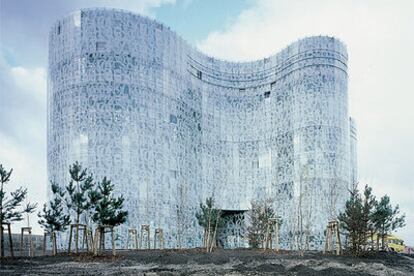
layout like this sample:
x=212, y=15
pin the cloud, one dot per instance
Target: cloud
x=378, y=35
x=23, y=130
x=143, y=6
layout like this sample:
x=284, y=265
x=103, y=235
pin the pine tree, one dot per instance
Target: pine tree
x=369, y=203
x=53, y=218
x=9, y=206
x=108, y=209
x=28, y=209
x=260, y=214
x=80, y=185
x=386, y=219
x=209, y=218
x=352, y=220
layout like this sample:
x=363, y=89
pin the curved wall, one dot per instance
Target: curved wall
x=170, y=126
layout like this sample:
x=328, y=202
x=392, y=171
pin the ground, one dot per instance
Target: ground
x=220, y=262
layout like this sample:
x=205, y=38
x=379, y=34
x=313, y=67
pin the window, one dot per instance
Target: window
x=267, y=94
x=272, y=85
x=265, y=160
x=173, y=119
x=100, y=46
x=58, y=29
x=279, y=98
x=199, y=75
x=242, y=89
x=173, y=174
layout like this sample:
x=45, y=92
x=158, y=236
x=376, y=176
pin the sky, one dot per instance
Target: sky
x=379, y=36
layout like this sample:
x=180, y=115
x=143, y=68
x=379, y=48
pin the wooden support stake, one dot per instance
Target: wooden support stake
x=78, y=227
x=159, y=235
x=30, y=241
x=100, y=238
x=2, y=238
x=277, y=236
x=134, y=233
x=332, y=230
x=113, y=241
x=145, y=228
x=10, y=239
x=272, y=223
x=44, y=243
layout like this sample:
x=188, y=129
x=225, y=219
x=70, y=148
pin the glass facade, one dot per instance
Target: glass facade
x=170, y=126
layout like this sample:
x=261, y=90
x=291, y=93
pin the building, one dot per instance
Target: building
x=170, y=126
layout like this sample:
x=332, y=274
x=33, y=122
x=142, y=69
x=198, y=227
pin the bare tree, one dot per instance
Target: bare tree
x=181, y=216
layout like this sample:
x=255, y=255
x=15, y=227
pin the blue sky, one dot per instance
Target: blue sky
x=378, y=34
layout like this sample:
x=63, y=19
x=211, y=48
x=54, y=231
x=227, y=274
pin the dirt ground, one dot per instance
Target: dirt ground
x=220, y=262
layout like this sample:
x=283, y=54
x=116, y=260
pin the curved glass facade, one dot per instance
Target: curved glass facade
x=171, y=126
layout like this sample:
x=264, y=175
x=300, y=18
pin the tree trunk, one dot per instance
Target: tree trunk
x=378, y=242
x=372, y=240
x=2, y=241
x=213, y=241
x=102, y=238
x=54, y=244
x=77, y=234
x=10, y=240
x=208, y=230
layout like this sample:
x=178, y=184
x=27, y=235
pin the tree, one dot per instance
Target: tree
x=259, y=229
x=53, y=218
x=364, y=216
x=209, y=218
x=108, y=209
x=78, y=189
x=352, y=219
x=386, y=219
x=9, y=205
x=182, y=218
x=28, y=209
x=369, y=203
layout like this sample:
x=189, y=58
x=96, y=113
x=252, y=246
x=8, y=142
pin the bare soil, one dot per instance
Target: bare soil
x=219, y=262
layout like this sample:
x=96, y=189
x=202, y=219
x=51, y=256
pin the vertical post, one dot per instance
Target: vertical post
x=1, y=240
x=277, y=236
x=85, y=234
x=21, y=242
x=136, y=239
x=145, y=228
x=90, y=238
x=30, y=243
x=32, y=248
x=54, y=244
x=113, y=241
x=77, y=238
x=330, y=239
x=127, y=241
x=266, y=236
x=148, y=235
x=44, y=243
x=338, y=241
x=70, y=237
x=140, y=238
x=97, y=241
x=10, y=240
